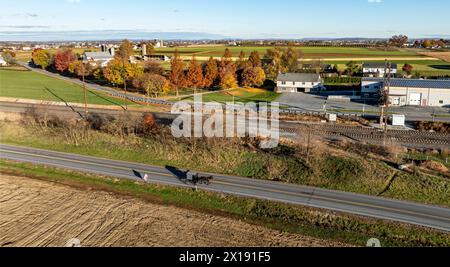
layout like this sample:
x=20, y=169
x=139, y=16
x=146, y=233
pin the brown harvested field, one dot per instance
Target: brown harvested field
x=40, y=213
x=445, y=56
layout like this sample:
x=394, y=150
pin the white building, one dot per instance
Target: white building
x=159, y=43
x=299, y=83
x=410, y=92
x=378, y=69
x=163, y=58
x=3, y=63
x=98, y=58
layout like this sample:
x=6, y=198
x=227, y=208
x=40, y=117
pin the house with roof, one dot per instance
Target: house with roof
x=299, y=83
x=410, y=92
x=98, y=58
x=379, y=69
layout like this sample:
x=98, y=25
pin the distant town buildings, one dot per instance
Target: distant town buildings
x=299, y=83
x=410, y=92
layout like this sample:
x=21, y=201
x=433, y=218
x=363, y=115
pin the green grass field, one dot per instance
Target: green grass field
x=31, y=85
x=359, y=55
x=424, y=67
x=309, y=52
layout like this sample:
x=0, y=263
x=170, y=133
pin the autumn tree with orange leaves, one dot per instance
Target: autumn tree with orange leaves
x=63, y=59
x=253, y=76
x=177, y=76
x=227, y=71
x=211, y=71
x=255, y=60
x=195, y=74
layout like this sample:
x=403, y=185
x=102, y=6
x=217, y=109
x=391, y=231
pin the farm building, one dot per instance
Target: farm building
x=3, y=63
x=156, y=58
x=159, y=43
x=299, y=83
x=410, y=92
x=98, y=58
x=378, y=69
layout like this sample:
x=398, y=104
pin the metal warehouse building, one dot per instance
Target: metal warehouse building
x=410, y=92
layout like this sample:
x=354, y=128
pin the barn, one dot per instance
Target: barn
x=410, y=92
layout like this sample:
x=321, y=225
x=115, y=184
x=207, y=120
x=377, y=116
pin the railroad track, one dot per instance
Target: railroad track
x=361, y=133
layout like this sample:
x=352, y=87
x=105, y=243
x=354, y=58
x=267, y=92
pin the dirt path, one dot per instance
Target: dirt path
x=38, y=213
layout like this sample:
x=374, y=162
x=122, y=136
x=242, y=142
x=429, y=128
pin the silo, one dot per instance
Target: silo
x=112, y=51
x=144, y=49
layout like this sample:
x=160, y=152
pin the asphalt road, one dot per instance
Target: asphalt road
x=381, y=208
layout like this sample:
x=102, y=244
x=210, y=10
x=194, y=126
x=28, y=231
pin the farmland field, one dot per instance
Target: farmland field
x=309, y=52
x=56, y=213
x=31, y=85
x=427, y=64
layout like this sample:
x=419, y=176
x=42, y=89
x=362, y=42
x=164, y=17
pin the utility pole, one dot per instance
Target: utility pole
x=125, y=81
x=308, y=148
x=86, y=111
x=384, y=116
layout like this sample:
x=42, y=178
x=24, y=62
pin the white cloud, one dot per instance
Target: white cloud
x=375, y=1
x=73, y=1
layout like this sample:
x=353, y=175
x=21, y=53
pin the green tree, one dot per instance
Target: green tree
x=119, y=73
x=290, y=59
x=352, y=68
x=113, y=72
x=274, y=65
x=152, y=84
x=398, y=40
x=41, y=58
x=125, y=50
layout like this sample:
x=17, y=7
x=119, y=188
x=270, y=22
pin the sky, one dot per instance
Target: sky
x=248, y=19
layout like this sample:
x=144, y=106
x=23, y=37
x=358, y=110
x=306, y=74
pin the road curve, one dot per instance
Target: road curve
x=375, y=207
